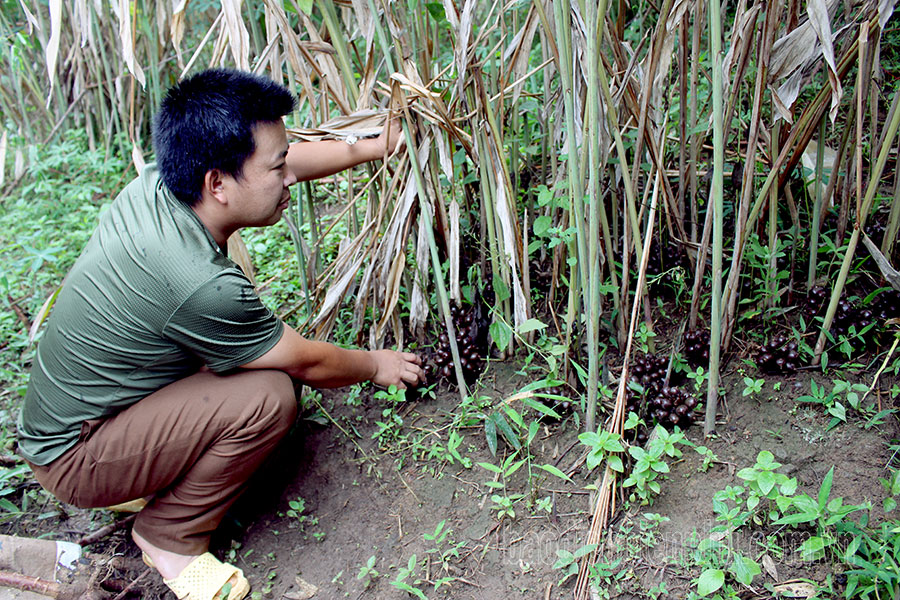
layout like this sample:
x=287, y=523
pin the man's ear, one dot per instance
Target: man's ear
x=214, y=185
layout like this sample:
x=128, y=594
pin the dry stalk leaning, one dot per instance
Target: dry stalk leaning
x=606, y=497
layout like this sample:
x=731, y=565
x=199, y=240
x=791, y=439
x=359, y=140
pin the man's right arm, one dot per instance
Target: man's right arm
x=325, y=365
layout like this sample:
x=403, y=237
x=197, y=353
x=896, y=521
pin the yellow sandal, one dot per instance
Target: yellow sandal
x=207, y=578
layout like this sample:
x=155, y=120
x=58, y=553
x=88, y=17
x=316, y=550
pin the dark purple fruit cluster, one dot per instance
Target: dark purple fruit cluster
x=673, y=406
x=886, y=305
x=665, y=404
x=850, y=315
x=469, y=342
x=649, y=370
x=816, y=301
x=696, y=347
x=778, y=356
x=560, y=407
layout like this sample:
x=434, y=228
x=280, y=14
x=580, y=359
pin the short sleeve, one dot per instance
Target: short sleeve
x=224, y=322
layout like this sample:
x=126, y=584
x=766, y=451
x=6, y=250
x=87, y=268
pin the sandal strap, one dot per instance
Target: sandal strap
x=203, y=579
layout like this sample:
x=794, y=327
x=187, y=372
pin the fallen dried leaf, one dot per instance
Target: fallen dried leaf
x=796, y=589
x=304, y=591
x=769, y=566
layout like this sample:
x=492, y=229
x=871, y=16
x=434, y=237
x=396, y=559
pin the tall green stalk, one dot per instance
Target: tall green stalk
x=817, y=206
x=715, y=320
x=862, y=213
x=594, y=15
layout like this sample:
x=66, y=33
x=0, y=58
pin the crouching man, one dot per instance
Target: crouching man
x=161, y=375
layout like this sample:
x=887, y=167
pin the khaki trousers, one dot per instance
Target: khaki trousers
x=191, y=445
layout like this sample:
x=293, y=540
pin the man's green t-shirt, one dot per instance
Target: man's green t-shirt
x=150, y=300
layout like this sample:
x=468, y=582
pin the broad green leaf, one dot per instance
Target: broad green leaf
x=541, y=408
x=503, y=427
x=745, y=569
x=766, y=481
x=514, y=415
x=531, y=325
x=812, y=549
x=747, y=474
x=584, y=550
x=766, y=460
x=501, y=334
x=709, y=581
x=490, y=434
x=615, y=463
x=789, y=487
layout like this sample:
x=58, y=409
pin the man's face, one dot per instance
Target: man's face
x=260, y=196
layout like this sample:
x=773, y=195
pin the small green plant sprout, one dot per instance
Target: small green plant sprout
x=752, y=386
x=390, y=428
x=503, y=502
x=296, y=509
x=709, y=457
x=645, y=337
x=891, y=485
x=505, y=505
x=820, y=395
x=354, y=395
x=451, y=452
x=567, y=561
x=650, y=464
x=763, y=483
x=407, y=581
x=368, y=573
x=443, y=548
x=699, y=377
x=719, y=561
x=731, y=517
x=602, y=446
x=823, y=513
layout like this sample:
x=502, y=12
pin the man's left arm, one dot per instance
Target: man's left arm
x=313, y=160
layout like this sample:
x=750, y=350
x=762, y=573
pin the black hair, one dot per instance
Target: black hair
x=206, y=122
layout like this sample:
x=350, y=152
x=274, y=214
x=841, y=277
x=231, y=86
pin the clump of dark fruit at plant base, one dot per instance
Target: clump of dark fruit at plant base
x=778, y=356
x=696, y=347
x=850, y=322
x=886, y=305
x=649, y=371
x=673, y=406
x=470, y=341
x=562, y=405
x=667, y=405
x=816, y=301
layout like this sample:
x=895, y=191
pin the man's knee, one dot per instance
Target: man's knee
x=278, y=397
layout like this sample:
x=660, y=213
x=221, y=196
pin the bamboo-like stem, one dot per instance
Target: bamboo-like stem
x=865, y=205
x=594, y=14
x=566, y=76
x=893, y=224
x=695, y=138
x=772, y=279
x=715, y=320
x=817, y=206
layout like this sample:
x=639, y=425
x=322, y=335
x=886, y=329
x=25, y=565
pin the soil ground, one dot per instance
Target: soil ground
x=361, y=500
